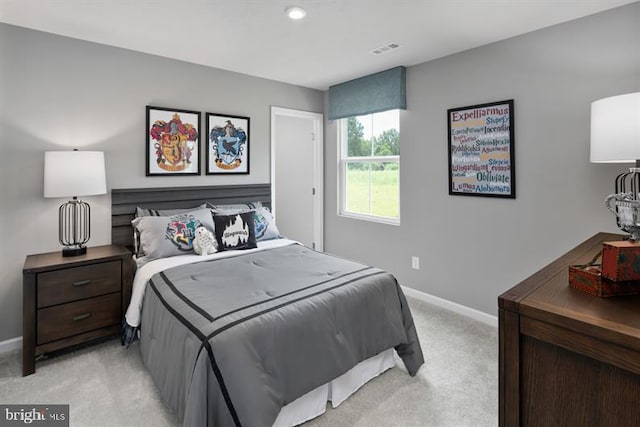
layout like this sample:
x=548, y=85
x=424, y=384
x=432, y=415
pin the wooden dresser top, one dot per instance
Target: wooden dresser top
x=546, y=296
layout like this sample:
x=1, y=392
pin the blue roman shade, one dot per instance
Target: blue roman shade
x=381, y=91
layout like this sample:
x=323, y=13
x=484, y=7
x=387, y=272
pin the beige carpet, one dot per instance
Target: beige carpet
x=106, y=385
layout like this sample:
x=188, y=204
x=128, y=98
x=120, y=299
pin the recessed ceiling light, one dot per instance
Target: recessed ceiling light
x=384, y=49
x=296, y=13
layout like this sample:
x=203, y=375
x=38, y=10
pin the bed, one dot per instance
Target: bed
x=264, y=335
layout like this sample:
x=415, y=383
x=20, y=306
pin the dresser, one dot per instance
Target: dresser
x=73, y=300
x=568, y=358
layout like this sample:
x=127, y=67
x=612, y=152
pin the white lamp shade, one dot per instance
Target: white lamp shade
x=615, y=129
x=74, y=173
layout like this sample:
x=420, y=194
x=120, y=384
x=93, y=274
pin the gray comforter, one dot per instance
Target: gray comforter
x=231, y=341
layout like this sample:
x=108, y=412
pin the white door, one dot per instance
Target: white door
x=296, y=175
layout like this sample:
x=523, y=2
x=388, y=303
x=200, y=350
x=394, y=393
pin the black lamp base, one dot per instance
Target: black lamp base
x=73, y=227
x=68, y=251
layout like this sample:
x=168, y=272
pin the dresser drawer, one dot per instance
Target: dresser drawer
x=71, y=284
x=74, y=318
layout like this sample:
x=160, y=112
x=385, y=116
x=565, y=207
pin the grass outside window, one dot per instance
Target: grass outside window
x=371, y=190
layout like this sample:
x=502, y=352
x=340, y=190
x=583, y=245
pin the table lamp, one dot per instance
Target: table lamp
x=615, y=138
x=73, y=174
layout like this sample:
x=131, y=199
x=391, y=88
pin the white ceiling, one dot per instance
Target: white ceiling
x=330, y=45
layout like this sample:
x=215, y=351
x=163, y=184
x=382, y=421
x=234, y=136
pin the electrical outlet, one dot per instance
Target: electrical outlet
x=415, y=263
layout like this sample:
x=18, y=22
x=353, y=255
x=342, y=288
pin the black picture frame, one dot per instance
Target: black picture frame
x=481, y=146
x=228, y=144
x=172, y=138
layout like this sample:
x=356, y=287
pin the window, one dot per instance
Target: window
x=370, y=166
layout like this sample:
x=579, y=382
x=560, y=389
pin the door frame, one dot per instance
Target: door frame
x=318, y=167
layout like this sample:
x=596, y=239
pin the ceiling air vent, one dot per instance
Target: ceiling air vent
x=384, y=49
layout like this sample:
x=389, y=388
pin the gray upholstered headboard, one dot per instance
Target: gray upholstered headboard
x=124, y=202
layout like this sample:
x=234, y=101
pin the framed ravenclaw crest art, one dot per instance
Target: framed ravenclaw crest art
x=227, y=144
x=173, y=142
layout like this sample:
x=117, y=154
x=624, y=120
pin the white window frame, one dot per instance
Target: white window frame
x=342, y=172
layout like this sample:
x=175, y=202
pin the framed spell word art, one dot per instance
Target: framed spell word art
x=481, y=150
x=173, y=142
x=227, y=144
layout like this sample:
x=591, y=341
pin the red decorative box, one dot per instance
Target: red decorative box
x=588, y=278
x=621, y=260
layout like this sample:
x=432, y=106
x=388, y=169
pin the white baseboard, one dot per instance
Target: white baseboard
x=453, y=306
x=10, y=345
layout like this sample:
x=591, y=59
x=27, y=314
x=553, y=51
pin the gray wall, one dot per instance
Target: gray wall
x=58, y=93
x=472, y=248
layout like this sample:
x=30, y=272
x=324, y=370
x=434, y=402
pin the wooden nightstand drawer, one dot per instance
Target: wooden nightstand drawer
x=74, y=318
x=72, y=284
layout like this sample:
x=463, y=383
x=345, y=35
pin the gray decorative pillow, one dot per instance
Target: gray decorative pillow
x=157, y=212
x=166, y=212
x=265, y=225
x=165, y=236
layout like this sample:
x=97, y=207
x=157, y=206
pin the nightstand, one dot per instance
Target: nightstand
x=73, y=300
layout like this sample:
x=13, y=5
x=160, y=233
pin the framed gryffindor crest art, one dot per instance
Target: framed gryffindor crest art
x=173, y=142
x=227, y=144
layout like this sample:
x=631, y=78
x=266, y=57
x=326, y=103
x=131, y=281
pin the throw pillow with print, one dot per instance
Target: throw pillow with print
x=235, y=231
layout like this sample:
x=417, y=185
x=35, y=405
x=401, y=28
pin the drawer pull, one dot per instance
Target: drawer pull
x=81, y=317
x=81, y=282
